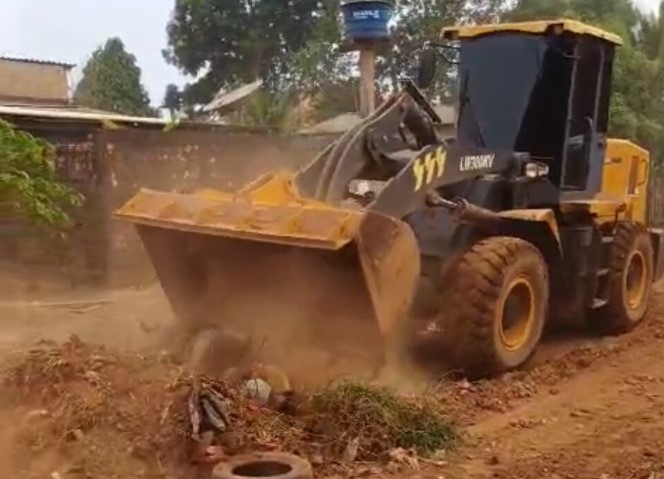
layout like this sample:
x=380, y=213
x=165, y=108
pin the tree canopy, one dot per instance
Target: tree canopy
x=295, y=44
x=172, y=99
x=422, y=20
x=28, y=184
x=227, y=42
x=112, y=81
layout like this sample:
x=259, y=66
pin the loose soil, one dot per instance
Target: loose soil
x=584, y=408
x=596, y=411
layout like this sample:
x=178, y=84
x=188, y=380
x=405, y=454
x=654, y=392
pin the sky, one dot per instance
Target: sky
x=69, y=30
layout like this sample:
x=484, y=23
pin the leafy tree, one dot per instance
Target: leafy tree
x=322, y=67
x=621, y=12
x=28, y=184
x=322, y=71
x=652, y=32
x=267, y=109
x=228, y=42
x=321, y=63
x=112, y=81
x=173, y=99
x=658, y=55
x=417, y=22
x=336, y=99
x=484, y=11
x=296, y=45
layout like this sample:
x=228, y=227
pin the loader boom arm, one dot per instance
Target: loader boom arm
x=398, y=145
x=434, y=167
x=289, y=240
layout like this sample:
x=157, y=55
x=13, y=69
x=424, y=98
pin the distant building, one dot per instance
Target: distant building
x=35, y=96
x=35, y=82
x=346, y=121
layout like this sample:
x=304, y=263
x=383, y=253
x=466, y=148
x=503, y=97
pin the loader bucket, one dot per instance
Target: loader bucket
x=271, y=263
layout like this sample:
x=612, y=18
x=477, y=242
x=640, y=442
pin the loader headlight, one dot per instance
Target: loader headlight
x=362, y=187
x=534, y=169
x=359, y=187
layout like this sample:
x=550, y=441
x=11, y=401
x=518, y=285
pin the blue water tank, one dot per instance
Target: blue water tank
x=367, y=19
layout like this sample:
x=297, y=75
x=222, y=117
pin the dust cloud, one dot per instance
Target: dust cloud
x=306, y=311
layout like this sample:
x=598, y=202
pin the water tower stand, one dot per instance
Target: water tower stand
x=368, y=51
x=367, y=81
x=367, y=31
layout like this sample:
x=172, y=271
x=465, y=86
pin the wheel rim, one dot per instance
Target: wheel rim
x=517, y=314
x=635, y=281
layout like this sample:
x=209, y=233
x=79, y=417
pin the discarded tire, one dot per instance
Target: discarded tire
x=273, y=465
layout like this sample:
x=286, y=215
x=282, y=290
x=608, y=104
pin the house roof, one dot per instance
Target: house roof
x=224, y=101
x=338, y=124
x=68, y=66
x=346, y=121
x=74, y=113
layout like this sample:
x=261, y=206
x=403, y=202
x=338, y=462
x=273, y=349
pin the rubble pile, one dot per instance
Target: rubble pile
x=87, y=411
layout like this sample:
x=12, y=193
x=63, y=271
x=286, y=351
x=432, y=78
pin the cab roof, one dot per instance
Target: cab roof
x=538, y=27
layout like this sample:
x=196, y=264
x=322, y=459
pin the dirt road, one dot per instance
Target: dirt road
x=588, y=408
x=127, y=319
x=592, y=412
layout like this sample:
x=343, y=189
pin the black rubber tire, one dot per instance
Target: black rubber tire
x=474, y=289
x=294, y=466
x=617, y=317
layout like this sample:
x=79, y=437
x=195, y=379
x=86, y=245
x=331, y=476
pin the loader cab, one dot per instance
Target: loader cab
x=542, y=88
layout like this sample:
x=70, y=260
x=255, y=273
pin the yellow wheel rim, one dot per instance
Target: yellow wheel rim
x=635, y=280
x=516, y=314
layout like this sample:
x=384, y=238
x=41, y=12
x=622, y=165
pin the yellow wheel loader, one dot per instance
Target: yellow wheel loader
x=458, y=251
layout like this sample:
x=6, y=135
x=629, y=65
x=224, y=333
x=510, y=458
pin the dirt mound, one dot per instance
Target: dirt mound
x=88, y=411
x=80, y=400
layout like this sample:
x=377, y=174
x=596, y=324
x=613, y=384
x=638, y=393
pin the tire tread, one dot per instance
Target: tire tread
x=474, y=286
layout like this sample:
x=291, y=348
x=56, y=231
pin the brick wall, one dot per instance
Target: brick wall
x=183, y=161
x=33, y=257
x=109, y=167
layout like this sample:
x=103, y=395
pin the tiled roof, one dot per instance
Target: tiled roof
x=346, y=121
x=37, y=62
x=75, y=113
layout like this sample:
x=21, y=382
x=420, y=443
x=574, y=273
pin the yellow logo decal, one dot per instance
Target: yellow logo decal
x=418, y=171
x=429, y=168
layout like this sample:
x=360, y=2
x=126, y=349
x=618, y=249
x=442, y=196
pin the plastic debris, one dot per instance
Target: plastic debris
x=208, y=411
x=258, y=390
